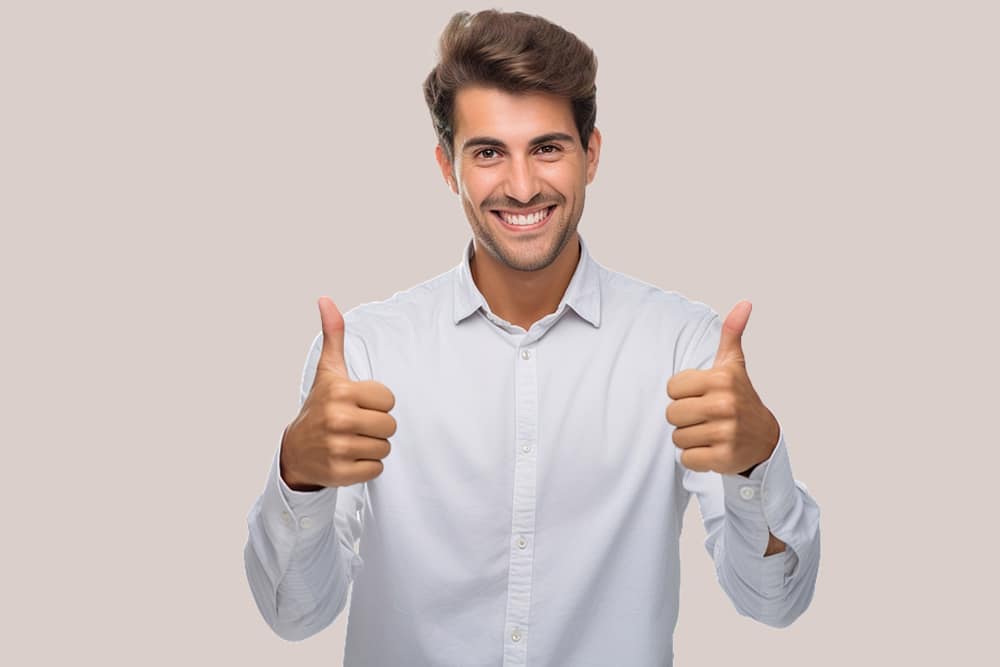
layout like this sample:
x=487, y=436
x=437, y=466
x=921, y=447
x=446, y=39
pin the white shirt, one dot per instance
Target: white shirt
x=530, y=510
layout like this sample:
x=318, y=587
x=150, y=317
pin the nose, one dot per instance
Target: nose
x=522, y=182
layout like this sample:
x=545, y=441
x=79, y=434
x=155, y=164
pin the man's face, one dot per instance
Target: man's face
x=519, y=154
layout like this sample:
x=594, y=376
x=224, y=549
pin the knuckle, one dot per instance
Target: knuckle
x=338, y=448
x=720, y=379
x=340, y=391
x=337, y=420
x=337, y=474
x=727, y=430
x=724, y=406
x=329, y=416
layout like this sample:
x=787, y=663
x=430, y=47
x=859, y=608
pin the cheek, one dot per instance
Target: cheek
x=567, y=178
x=477, y=189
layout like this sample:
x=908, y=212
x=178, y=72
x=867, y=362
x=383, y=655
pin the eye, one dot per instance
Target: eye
x=550, y=150
x=483, y=152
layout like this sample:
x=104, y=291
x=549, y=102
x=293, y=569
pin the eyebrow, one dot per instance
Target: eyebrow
x=490, y=141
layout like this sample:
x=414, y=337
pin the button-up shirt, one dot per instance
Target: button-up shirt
x=530, y=509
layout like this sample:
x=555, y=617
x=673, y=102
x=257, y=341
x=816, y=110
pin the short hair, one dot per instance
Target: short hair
x=515, y=52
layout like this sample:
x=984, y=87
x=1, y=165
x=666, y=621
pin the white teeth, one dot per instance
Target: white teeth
x=521, y=220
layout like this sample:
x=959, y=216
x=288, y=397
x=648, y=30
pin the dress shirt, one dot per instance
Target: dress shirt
x=530, y=510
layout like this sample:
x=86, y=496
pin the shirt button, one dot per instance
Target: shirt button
x=286, y=518
x=746, y=492
x=306, y=522
x=526, y=448
x=521, y=542
x=516, y=635
x=525, y=354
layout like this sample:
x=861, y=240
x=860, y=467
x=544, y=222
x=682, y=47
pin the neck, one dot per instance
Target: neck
x=524, y=297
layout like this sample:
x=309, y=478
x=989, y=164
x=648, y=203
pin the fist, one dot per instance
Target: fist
x=340, y=435
x=720, y=421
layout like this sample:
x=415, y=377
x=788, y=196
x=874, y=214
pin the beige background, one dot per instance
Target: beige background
x=180, y=181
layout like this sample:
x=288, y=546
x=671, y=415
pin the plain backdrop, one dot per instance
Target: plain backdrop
x=180, y=181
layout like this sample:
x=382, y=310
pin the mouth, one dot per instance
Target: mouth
x=524, y=222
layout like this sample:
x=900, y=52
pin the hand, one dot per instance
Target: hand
x=340, y=435
x=721, y=423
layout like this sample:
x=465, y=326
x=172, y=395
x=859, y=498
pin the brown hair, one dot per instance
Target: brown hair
x=515, y=52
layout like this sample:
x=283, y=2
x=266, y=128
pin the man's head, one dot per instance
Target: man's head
x=513, y=101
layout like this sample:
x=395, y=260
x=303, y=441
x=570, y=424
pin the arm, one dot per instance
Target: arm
x=762, y=527
x=299, y=556
x=774, y=545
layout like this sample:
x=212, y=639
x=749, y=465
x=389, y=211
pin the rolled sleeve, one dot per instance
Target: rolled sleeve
x=753, y=502
x=770, y=500
x=289, y=520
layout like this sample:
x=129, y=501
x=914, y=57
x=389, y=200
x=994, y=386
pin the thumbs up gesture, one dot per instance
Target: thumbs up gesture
x=720, y=421
x=340, y=434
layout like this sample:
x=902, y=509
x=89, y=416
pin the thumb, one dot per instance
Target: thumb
x=730, y=344
x=331, y=356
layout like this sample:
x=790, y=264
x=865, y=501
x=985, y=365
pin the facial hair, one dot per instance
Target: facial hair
x=486, y=238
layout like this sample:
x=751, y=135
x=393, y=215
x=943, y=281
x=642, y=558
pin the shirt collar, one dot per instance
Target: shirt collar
x=583, y=294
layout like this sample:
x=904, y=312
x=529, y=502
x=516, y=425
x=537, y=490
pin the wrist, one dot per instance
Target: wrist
x=290, y=480
x=770, y=450
x=294, y=484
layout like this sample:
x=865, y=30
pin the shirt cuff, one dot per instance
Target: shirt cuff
x=766, y=497
x=303, y=512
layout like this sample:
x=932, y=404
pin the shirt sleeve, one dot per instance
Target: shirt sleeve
x=739, y=512
x=301, y=554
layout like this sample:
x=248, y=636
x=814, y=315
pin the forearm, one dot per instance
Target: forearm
x=774, y=545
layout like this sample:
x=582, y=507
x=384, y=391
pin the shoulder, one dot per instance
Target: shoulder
x=405, y=312
x=623, y=292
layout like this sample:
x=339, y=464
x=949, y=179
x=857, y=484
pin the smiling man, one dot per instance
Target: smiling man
x=522, y=192
x=496, y=462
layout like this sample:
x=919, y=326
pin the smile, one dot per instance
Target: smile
x=524, y=223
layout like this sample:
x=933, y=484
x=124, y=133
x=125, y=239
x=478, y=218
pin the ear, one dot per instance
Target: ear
x=593, y=154
x=445, y=166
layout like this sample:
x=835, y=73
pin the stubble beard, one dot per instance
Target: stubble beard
x=485, y=237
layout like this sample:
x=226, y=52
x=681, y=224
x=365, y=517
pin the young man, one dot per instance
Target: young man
x=549, y=418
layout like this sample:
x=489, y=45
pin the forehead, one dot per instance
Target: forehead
x=512, y=117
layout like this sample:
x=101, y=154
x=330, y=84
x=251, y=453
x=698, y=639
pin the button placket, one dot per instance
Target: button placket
x=523, y=507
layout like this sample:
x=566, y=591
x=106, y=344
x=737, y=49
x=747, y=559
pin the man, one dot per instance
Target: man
x=549, y=418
